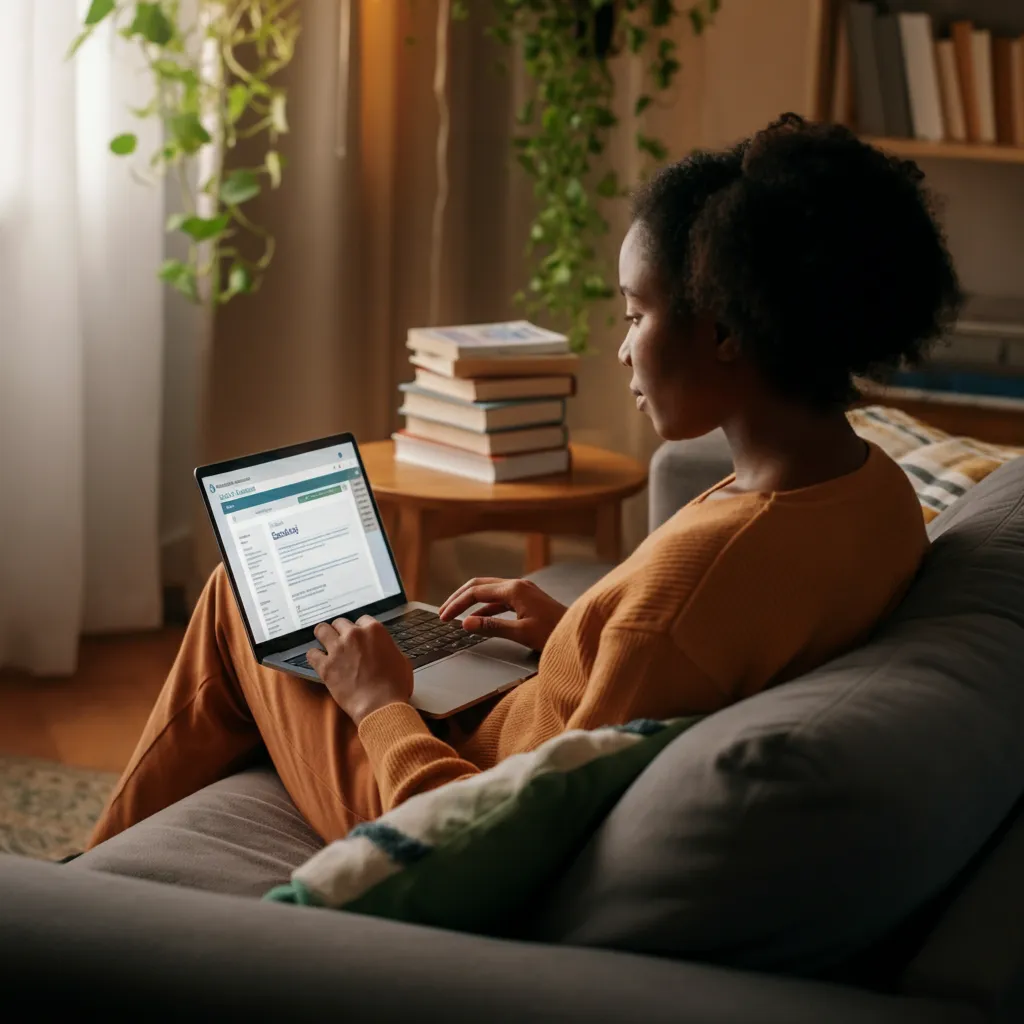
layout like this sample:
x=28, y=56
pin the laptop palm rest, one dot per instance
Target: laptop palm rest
x=456, y=683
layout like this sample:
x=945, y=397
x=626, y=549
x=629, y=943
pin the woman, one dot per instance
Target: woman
x=758, y=281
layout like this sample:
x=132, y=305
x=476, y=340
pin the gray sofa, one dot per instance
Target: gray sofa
x=844, y=848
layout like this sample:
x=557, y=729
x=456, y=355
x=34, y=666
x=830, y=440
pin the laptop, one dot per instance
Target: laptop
x=303, y=543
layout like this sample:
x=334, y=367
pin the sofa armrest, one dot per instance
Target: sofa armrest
x=682, y=470
x=81, y=945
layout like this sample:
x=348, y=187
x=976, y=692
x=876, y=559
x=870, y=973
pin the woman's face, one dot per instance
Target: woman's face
x=683, y=375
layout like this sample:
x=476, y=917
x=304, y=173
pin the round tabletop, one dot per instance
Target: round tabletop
x=595, y=476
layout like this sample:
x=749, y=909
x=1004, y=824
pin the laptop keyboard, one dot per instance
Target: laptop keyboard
x=421, y=636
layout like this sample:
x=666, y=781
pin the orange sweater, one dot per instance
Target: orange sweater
x=730, y=596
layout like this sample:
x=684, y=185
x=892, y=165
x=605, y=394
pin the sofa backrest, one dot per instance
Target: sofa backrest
x=793, y=830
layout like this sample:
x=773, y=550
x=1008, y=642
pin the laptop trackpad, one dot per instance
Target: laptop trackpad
x=458, y=682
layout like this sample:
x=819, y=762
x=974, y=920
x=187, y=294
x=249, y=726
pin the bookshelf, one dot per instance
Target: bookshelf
x=917, y=149
x=997, y=420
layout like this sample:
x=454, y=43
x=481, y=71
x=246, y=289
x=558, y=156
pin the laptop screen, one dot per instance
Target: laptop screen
x=303, y=539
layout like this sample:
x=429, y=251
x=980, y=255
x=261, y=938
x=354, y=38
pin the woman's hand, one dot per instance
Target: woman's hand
x=361, y=666
x=537, y=613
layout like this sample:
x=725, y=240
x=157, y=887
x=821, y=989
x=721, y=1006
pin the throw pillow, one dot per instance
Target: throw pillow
x=469, y=854
x=941, y=467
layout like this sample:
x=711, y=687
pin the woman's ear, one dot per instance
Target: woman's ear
x=727, y=346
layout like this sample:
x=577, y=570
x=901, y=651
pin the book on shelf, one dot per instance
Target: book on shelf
x=494, y=389
x=1008, y=77
x=952, y=380
x=892, y=73
x=513, y=338
x=981, y=41
x=487, y=468
x=962, y=34
x=922, y=76
x=952, y=98
x=482, y=417
x=860, y=22
x=843, y=108
x=497, y=366
x=497, y=442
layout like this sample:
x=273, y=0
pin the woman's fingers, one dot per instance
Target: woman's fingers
x=491, y=609
x=507, y=629
x=493, y=590
x=468, y=585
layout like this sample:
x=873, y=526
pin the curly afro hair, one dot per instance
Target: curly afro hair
x=819, y=253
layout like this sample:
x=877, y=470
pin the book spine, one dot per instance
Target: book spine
x=864, y=59
x=983, y=83
x=922, y=76
x=892, y=77
x=963, y=46
x=842, y=83
x=1003, y=82
x=1017, y=73
x=952, y=97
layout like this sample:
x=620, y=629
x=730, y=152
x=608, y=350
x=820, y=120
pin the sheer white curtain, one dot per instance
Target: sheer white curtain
x=81, y=336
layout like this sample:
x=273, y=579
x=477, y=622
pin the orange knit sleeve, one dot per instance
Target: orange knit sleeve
x=405, y=755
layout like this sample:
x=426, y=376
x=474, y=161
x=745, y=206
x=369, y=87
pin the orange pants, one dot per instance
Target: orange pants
x=220, y=710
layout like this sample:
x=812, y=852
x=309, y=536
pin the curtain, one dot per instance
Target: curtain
x=81, y=335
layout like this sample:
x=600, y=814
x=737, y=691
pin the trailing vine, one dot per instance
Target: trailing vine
x=211, y=74
x=566, y=46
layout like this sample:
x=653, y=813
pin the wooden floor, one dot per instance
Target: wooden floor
x=93, y=718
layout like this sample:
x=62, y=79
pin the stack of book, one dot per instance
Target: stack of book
x=487, y=401
x=894, y=78
x=984, y=354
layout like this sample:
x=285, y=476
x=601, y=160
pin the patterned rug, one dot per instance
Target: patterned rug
x=47, y=810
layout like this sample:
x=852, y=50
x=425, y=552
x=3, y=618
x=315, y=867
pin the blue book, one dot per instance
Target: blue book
x=961, y=382
x=481, y=417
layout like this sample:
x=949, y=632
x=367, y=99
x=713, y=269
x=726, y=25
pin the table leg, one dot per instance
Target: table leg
x=538, y=551
x=412, y=551
x=608, y=532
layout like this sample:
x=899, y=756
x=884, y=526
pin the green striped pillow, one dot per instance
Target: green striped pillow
x=469, y=854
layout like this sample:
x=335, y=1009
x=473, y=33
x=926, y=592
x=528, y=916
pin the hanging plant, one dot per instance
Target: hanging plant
x=212, y=84
x=563, y=129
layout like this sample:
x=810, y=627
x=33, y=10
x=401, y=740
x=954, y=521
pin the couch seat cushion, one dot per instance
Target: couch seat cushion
x=241, y=836
x=794, y=829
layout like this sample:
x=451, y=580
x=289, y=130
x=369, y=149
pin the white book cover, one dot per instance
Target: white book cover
x=981, y=51
x=954, y=121
x=922, y=76
x=515, y=337
x=488, y=469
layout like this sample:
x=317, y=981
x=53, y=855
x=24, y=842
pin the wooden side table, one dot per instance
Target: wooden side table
x=421, y=505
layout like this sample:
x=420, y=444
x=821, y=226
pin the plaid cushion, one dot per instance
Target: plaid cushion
x=941, y=467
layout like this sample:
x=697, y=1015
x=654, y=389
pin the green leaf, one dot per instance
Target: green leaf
x=202, y=229
x=662, y=11
x=608, y=186
x=649, y=144
x=239, y=187
x=595, y=287
x=238, y=100
x=98, y=10
x=278, y=115
x=697, y=19
x=635, y=38
x=188, y=132
x=180, y=276
x=124, y=145
x=642, y=103
x=525, y=114
x=152, y=24
x=239, y=280
x=665, y=47
x=574, y=191
x=272, y=161
x=537, y=233
x=76, y=44
x=562, y=274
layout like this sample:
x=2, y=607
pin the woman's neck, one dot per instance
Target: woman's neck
x=780, y=447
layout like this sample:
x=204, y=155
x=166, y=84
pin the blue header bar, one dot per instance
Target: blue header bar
x=289, y=491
